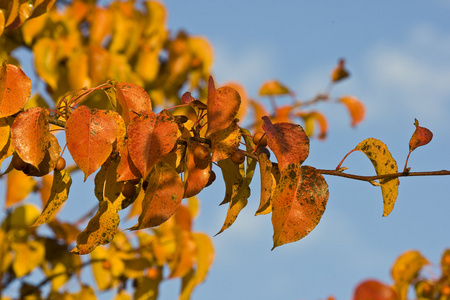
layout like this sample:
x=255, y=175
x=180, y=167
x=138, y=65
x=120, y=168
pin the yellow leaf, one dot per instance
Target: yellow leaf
x=102, y=274
x=27, y=257
x=225, y=142
x=2, y=21
x=147, y=288
x=184, y=255
x=268, y=185
x=384, y=163
x=5, y=132
x=100, y=229
x=58, y=196
x=310, y=118
x=23, y=216
x=273, y=88
x=46, y=61
x=406, y=269
x=122, y=295
x=18, y=187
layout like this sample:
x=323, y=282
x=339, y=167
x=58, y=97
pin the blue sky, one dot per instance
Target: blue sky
x=398, y=53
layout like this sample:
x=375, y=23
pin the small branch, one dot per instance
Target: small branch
x=384, y=176
x=55, y=121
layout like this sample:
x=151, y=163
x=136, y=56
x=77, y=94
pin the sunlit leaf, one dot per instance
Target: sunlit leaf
x=223, y=106
x=30, y=135
x=15, y=89
x=185, y=255
x=420, y=137
x=273, y=88
x=312, y=118
x=58, y=195
x=298, y=203
x=258, y=112
x=100, y=229
x=23, y=216
x=50, y=159
x=2, y=21
x=36, y=101
x=162, y=198
x=122, y=295
x=45, y=52
x=148, y=288
x=289, y=142
x=339, y=72
x=384, y=163
x=18, y=187
x=5, y=132
x=268, y=185
x=374, y=290
x=102, y=274
x=243, y=107
x=99, y=62
x=78, y=70
x=355, y=108
x=445, y=263
x=101, y=25
x=225, y=142
x=28, y=256
x=90, y=134
x=405, y=270
x=150, y=137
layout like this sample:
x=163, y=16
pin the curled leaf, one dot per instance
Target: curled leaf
x=355, y=107
x=420, y=137
x=384, y=163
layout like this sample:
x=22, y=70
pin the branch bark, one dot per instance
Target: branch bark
x=376, y=177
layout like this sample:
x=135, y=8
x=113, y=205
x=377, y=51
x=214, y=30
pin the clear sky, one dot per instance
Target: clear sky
x=398, y=53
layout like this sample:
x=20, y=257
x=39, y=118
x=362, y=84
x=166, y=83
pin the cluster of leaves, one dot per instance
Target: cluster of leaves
x=411, y=275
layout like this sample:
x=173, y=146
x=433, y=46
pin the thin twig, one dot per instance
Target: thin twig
x=383, y=176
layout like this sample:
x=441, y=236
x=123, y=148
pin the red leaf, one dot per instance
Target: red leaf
x=374, y=290
x=15, y=89
x=150, y=137
x=298, y=203
x=30, y=135
x=288, y=141
x=132, y=99
x=187, y=98
x=420, y=137
x=90, y=134
x=164, y=195
x=223, y=106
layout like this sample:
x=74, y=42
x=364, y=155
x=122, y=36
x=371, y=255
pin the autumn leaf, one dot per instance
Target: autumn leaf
x=310, y=119
x=225, y=142
x=28, y=256
x=58, y=196
x=18, y=187
x=289, y=142
x=5, y=132
x=384, y=163
x=15, y=89
x=90, y=134
x=405, y=270
x=196, y=172
x=100, y=229
x=223, y=106
x=46, y=59
x=298, y=203
x=150, y=137
x=30, y=135
x=162, y=198
x=339, y=72
x=420, y=137
x=374, y=290
x=355, y=107
x=185, y=254
x=259, y=111
x=50, y=159
x=268, y=185
x=273, y=88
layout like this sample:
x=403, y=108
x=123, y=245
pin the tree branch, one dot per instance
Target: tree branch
x=393, y=175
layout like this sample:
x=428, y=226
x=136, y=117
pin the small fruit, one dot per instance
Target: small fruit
x=260, y=139
x=61, y=164
x=238, y=157
x=128, y=190
x=211, y=179
x=18, y=163
x=201, y=152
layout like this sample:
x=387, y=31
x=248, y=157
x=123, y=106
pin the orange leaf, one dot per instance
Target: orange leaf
x=162, y=198
x=15, y=89
x=339, y=72
x=197, y=172
x=355, y=108
x=223, y=106
x=273, y=88
x=288, y=142
x=90, y=134
x=225, y=142
x=126, y=170
x=132, y=100
x=2, y=21
x=314, y=117
x=420, y=137
x=268, y=184
x=100, y=229
x=259, y=111
x=150, y=137
x=405, y=270
x=18, y=187
x=243, y=107
x=185, y=255
x=298, y=203
x=5, y=132
x=50, y=159
x=30, y=135
x=374, y=290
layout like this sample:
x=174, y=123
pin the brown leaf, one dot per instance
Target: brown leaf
x=355, y=107
x=162, y=198
x=223, y=106
x=90, y=134
x=420, y=137
x=30, y=135
x=298, y=203
x=15, y=89
x=151, y=137
x=288, y=141
x=339, y=72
